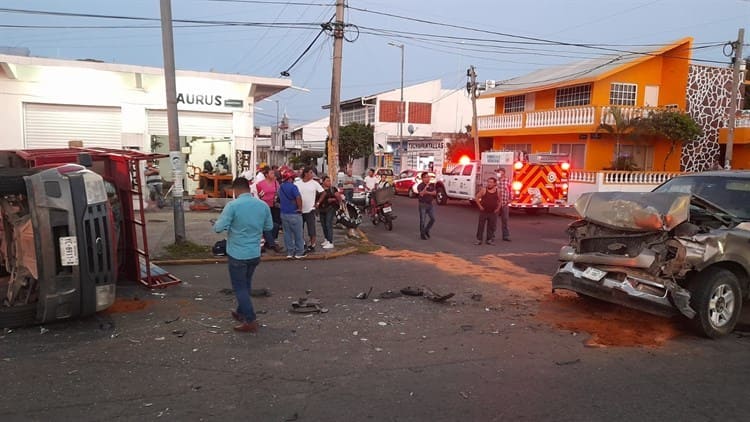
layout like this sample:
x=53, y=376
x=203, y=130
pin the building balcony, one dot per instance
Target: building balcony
x=742, y=129
x=575, y=119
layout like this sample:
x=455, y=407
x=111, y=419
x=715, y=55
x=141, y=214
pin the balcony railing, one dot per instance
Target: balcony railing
x=560, y=117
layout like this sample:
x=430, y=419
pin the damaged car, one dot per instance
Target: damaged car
x=682, y=249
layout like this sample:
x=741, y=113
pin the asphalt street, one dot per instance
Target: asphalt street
x=503, y=348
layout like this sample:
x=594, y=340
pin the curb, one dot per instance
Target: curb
x=218, y=260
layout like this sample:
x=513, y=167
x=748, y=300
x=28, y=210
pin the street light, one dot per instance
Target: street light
x=401, y=105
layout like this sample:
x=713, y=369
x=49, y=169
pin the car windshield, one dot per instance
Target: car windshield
x=732, y=194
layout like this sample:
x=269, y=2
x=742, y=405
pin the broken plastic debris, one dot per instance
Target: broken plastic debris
x=158, y=294
x=159, y=338
x=382, y=324
x=378, y=349
x=355, y=333
x=198, y=298
x=476, y=297
x=464, y=395
x=43, y=330
x=179, y=333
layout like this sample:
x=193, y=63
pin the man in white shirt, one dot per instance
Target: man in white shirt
x=371, y=181
x=308, y=189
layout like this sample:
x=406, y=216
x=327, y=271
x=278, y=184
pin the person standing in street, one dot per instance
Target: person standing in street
x=244, y=219
x=426, y=193
x=309, y=190
x=154, y=183
x=268, y=192
x=371, y=180
x=290, y=201
x=503, y=187
x=327, y=204
x=347, y=185
x=488, y=201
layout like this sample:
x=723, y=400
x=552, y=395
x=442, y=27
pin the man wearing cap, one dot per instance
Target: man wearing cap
x=290, y=201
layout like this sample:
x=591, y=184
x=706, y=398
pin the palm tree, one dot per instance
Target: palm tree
x=619, y=127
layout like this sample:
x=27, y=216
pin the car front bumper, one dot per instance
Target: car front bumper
x=635, y=292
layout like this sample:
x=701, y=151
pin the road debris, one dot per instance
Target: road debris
x=476, y=297
x=169, y=321
x=567, y=362
x=306, y=305
x=292, y=418
x=382, y=324
x=412, y=291
x=43, y=330
x=389, y=294
x=437, y=297
x=179, y=333
x=363, y=295
x=464, y=395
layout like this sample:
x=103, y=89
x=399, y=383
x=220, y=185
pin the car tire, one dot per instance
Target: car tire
x=17, y=316
x=442, y=198
x=11, y=180
x=411, y=193
x=716, y=297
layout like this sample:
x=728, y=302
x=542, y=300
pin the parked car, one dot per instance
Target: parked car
x=683, y=248
x=406, y=181
x=387, y=172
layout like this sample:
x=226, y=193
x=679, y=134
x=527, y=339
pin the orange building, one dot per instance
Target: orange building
x=560, y=109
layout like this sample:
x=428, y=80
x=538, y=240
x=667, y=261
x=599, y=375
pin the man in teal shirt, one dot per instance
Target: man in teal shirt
x=244, y=219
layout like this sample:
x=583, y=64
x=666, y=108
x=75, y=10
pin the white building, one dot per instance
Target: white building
x=46, y=103
x=427, y=114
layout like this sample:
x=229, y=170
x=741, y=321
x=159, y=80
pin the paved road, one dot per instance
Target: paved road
x=517, y=353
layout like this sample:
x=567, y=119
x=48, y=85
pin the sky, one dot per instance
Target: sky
x=442, y=38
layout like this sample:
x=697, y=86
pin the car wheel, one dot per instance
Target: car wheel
x=716, y=298
x=17, y=316
x=442, y=198
x=411, y=193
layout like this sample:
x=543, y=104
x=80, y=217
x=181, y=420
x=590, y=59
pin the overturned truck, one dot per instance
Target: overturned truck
x=682, y=249
x=67, y=231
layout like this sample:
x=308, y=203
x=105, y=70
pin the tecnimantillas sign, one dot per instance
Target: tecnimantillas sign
x=425, y=145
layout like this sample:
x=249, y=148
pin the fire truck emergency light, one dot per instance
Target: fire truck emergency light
x=518, y=165
x=464, y=159
x=565, y=166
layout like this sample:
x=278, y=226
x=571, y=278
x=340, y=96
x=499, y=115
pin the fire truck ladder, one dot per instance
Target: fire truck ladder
x=150, y=275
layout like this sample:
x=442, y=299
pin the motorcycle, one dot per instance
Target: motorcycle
x=381, y=208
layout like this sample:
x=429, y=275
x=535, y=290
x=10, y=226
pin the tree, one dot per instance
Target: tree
x=676, y=127
x=305, y=159
x=620, y=127
x=355, y=141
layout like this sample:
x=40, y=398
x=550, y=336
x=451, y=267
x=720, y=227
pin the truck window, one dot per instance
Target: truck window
x=467, y=169
x=457, y=171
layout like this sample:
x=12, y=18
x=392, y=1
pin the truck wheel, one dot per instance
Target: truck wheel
x=11, y=180
x=17, y=316
x=716, y=298
x=442, y=198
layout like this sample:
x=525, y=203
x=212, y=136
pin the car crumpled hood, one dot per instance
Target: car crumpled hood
x=637, y=211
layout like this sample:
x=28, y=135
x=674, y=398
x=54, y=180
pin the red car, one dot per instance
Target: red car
x=404, y=183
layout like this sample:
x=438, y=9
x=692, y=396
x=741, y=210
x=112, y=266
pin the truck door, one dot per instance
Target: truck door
x=466, y=182
x=452, y=181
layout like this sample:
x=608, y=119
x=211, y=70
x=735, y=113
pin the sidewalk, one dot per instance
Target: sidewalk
x=199, y=230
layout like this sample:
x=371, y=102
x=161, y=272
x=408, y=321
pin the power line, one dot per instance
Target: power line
x=274, y=2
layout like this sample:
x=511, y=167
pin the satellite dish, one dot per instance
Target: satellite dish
x=410, y=128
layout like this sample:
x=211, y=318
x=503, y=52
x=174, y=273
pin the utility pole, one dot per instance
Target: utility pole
x=401, y=111
x=471, y=86
x=167, y=42
x=335, y=119
x=736, y=68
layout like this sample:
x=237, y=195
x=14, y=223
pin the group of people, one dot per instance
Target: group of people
x=493, y=200
x=265, y=204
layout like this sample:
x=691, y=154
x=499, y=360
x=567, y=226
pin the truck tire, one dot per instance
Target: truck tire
x=11, y=180
x=716, y=297
x=442, y=198
x=17, y=316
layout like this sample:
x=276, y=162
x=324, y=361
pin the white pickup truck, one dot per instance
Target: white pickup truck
x=466, y=179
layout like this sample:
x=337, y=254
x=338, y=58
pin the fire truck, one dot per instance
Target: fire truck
x=537, y=181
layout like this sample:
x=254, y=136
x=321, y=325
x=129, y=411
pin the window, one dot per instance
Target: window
x=420, y=113
x=457, y=171
x=370, y=115
x=390, y=113
x=467, y=170
x=515, y=104
x=573, y=96
x=356, y=115
x=622, y=94
x=516, y=147
x=577, y=153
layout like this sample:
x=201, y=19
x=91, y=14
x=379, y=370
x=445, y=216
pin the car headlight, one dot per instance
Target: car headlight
x=105, y=296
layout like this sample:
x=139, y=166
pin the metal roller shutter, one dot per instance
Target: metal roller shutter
x=214, y=125
x=53, y=125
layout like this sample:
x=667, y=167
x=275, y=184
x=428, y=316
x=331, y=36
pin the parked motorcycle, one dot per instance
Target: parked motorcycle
x=381, y=208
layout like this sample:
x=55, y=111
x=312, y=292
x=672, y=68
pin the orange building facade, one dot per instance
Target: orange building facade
x=561, y=109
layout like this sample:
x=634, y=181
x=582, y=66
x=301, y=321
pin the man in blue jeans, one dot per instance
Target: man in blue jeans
x=291, y=216
x=245, y=219
x=426, y=193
